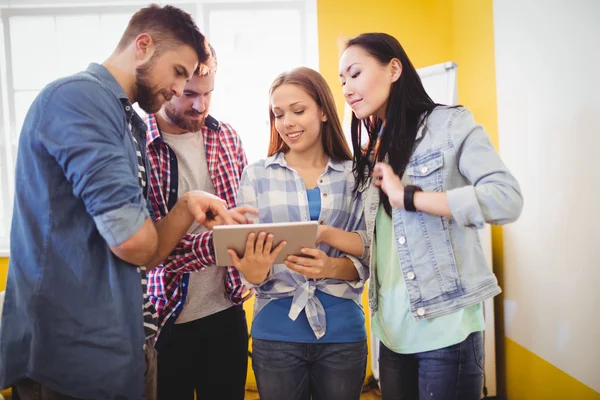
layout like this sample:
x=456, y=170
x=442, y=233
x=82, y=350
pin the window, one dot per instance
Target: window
x=30, y=63
x=254, y=43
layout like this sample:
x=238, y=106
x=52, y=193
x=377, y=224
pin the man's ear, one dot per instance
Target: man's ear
x=144, y=47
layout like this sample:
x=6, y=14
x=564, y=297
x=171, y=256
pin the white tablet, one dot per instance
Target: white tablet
x=297, y=235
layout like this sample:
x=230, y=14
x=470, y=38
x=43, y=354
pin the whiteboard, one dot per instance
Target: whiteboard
x=440, y=83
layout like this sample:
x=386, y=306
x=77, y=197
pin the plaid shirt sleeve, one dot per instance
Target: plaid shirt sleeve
x=356, y=224
x=234, y=285
x=194, y=252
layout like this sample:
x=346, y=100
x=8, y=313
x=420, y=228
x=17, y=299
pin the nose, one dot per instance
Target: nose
x=288, y=120
x=347, y=90
x=199, y=104
x=177, y=88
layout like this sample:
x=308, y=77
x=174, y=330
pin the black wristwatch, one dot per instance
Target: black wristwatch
x=409, y=197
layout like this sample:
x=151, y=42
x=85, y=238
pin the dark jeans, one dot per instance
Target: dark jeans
x=28, y=389
x=301, y=371
x=451, y=373
x=209, y=355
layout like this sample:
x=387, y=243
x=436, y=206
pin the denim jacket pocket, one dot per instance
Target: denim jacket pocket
x=426, y=171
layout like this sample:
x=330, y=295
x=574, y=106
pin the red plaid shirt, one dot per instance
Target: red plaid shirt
x=226, y=160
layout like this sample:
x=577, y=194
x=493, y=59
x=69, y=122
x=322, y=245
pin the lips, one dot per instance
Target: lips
x=294, y=135
x=195, y=116
x=354, y=102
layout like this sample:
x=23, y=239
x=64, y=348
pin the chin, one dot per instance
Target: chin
x=151, y=108
x=362, y=113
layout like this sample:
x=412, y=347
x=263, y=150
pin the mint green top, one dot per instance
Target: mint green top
x=393, y=323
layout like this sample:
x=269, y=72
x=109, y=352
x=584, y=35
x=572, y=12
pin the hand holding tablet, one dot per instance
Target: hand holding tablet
x=297, y=235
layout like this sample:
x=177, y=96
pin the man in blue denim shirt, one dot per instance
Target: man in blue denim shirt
x=72, y=324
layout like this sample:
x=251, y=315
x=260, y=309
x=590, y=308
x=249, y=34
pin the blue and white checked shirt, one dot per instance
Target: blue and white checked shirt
x=279, y=193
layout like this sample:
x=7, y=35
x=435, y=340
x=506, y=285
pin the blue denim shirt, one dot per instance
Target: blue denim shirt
x=442, y=260
x=72, y=316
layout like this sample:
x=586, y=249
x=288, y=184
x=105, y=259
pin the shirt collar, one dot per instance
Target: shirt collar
x=279, y=159
x=108, y=79
x=111, y=83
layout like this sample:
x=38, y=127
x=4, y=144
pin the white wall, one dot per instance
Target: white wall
x=548, y=82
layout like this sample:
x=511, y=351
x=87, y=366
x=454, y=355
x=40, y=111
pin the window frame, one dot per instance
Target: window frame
x=200, y=10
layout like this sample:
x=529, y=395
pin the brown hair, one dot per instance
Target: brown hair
x=168, y=26
x=332, y=136
x=210, y=65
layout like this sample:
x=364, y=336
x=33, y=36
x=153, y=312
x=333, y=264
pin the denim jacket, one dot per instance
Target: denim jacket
x=442, y=260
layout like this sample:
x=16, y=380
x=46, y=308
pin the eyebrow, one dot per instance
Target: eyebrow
x=349, y=66
x=291, y=105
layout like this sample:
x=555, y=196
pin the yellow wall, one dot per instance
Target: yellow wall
x=531, y=377
x=423, y=27
x=3, y=273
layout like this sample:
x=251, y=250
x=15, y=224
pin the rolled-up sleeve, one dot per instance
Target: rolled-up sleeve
x=118, y=225
x=494, y=195
x=356, y=224
x=84, y=129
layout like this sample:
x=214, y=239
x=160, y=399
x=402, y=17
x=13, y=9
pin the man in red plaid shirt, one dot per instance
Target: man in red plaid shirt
x=202, y=339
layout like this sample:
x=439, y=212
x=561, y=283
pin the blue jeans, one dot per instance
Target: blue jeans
x=451, y=373
x=304, y=371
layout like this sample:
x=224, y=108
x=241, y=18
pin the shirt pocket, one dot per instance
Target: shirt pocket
x=426, y=171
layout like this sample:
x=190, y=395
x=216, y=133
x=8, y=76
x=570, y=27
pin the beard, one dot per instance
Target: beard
x=149, y=97
x=182, y=120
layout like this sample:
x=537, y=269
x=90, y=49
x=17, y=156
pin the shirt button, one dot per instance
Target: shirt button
x=183, y=284
x=402, y=240
x=321, y=181
x=324, y=194
x=420, y=312
x=172, y=190
x=321, y=222
x=410, y=275
x=127, y=108
x=424, y=170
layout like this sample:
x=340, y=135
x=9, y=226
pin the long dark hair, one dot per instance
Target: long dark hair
x=332, y=135
x=407, y=107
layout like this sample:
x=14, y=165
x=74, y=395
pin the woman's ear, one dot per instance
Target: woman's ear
x=323, y=117
x=396, y=69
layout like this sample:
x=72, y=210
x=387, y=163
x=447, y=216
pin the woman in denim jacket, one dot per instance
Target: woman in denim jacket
x=308, y=332
x=430, y=178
